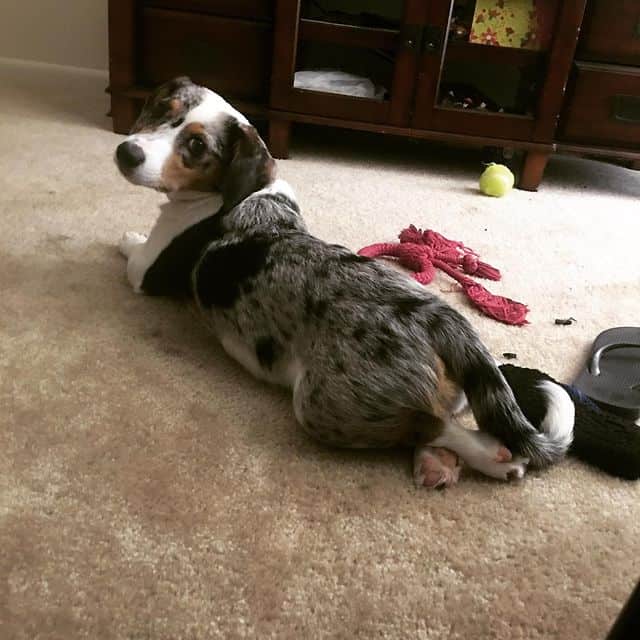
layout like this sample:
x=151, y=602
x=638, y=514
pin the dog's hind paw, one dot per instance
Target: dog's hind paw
x=130, y=240
x=435, y=468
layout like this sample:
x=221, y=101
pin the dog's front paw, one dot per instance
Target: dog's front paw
x=130, y=240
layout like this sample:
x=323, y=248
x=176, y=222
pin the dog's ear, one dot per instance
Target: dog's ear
x=250, y=166
x=169, y=100
x=170, y=87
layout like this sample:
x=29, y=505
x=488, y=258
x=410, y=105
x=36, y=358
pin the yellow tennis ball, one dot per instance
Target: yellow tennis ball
x=496, y=180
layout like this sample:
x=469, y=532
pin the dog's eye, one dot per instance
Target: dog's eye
x=177, y=123
x=196, y=146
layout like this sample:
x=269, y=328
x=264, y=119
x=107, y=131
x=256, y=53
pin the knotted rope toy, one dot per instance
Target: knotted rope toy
x=423, y=251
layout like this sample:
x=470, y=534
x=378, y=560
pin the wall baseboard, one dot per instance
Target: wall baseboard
x=37, y=64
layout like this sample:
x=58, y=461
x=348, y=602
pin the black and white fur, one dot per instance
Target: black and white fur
x=373, y=359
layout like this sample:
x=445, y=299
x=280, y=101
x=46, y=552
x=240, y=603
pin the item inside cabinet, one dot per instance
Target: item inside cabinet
x=524, y=24
x=478, y=86
x=336, y=68
x=466, y=96
x=461, y=20
x=334, y=81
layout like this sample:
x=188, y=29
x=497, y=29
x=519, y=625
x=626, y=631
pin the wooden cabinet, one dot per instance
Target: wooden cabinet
x=231, y=54
x=224, y=44
x=611, y=32
x=601, y=113
x=260, y=10
x=426, y=64
x=423, y=79
x=604, y=106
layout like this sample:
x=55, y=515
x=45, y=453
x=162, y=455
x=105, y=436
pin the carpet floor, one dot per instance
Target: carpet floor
x=150, y=488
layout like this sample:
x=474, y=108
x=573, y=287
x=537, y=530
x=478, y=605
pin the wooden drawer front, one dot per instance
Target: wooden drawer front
x=611, y=32
x=231, y=56
x=604, y=106
x=249, y=9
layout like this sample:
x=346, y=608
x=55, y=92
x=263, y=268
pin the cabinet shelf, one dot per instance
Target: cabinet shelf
x=348, y=35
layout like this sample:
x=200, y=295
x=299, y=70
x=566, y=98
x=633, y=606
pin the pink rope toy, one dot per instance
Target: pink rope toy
x=424, y=251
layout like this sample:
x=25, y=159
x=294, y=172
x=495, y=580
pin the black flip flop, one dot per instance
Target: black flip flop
x=612, y=374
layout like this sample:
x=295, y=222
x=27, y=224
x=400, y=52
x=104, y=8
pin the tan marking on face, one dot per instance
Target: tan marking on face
x=195, y=128
x=178, y=177
x=175, y=106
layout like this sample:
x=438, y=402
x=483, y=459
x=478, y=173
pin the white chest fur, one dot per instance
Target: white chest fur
x=176, y=215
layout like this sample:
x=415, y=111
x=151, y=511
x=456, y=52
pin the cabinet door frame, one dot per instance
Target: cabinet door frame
x=394, y=111
x=122, y=17
x=538, y=128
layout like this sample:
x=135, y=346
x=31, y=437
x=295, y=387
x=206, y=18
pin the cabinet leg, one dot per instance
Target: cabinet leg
x=533, y=168
x=124, y=112
x=279, y=138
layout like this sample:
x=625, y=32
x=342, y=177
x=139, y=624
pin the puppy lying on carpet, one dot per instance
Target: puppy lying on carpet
x=373, y=359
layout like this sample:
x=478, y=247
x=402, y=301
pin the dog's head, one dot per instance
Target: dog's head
x=188, y=138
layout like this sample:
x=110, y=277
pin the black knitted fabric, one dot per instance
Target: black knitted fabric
x=602, y=439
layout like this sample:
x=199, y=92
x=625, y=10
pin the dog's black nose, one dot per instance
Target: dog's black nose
x=129, y=155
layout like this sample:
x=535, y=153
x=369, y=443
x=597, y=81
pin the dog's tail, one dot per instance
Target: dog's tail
x=493, y=404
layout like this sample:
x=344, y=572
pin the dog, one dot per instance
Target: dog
x=373, y=359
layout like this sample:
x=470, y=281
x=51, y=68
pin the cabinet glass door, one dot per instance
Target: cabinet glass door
x=484, y=65
x=348, y=60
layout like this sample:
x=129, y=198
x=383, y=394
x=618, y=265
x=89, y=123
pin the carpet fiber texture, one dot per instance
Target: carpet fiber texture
x=150, y=488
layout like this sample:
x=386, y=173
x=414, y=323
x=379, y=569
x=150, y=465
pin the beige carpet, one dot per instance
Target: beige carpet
x=150, y=488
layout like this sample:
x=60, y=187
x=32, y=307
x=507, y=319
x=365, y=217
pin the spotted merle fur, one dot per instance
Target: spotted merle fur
x=267, y=351
x=353, y=323
x=359, y=332
x=347, y=258
x=226, y=269
x=405, y=305
x=168, y=104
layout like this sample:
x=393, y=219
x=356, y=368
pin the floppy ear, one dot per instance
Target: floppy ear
x=163, y=101
x=171, y=86
x=250, y=167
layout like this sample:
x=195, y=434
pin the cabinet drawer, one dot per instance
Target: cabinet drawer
x=231, y=56
x=250, y=9
x=611, y=32
x=604, y=106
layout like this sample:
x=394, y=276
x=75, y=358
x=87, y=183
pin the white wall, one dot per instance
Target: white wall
x=68, y=32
